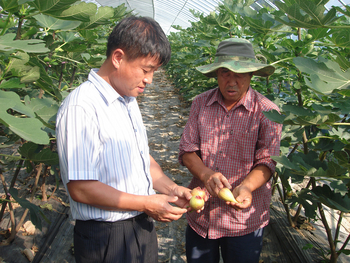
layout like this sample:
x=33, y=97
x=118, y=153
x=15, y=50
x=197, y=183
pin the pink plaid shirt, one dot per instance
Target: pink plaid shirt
x=233, y=143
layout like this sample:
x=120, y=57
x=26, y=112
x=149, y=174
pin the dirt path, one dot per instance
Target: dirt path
x=165, y=117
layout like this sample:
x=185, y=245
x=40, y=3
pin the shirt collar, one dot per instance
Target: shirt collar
x=246, y=101
x=106, y=90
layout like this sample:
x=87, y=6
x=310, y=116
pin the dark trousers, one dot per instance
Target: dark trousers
x=243, y=249
x=128, y=241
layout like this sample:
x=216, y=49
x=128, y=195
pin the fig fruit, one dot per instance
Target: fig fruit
x=196, y=202
x=198, y=191
x=226, y=195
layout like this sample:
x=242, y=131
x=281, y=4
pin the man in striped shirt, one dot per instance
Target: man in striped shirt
x=228, y=142
x=104, y=156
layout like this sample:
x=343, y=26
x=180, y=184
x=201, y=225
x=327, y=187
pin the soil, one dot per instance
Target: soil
x=164, y=122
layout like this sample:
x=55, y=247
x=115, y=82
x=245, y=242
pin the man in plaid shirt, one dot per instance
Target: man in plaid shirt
x=228, y=142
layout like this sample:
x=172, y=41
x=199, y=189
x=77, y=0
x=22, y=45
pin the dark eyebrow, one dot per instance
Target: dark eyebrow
x=151, y=66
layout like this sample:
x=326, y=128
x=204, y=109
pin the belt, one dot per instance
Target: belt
x=138, y=217
x=132, y=219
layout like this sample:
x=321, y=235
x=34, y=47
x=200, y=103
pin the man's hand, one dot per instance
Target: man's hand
x=254, y=180
x=159, y=208
x=243, y=196
x=214, y=181
x=183, y=194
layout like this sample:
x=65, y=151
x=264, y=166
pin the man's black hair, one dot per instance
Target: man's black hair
x=140, y=37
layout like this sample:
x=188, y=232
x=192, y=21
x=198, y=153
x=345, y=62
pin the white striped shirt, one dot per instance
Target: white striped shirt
x=101, y=136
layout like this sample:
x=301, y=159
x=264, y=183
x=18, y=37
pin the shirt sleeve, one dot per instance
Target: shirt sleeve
x=268, y=144
x=190, y=137
x=79, y=144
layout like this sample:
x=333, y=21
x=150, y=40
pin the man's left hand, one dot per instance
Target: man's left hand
x=243, y=196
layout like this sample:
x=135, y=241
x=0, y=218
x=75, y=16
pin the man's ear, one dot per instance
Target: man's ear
x=117, y=56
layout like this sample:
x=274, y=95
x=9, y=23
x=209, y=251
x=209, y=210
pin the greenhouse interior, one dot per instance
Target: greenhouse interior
x=51, y=50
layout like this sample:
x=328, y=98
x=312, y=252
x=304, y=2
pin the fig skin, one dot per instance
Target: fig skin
x=198, y=191
x=196, y=202
x=226, y=195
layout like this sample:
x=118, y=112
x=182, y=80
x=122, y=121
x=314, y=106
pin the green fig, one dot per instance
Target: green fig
x=226, y=195
x=196, y=202
x=308, y=36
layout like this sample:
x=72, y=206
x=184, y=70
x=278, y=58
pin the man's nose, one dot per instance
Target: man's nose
x=232, y=79
x=148, y=79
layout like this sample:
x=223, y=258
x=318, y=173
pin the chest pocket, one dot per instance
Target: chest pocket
x=242, y=145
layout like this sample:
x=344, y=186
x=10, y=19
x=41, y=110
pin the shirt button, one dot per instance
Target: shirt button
x=227, y=115
x=217, y=168
x=231, y=132
x=220, y=151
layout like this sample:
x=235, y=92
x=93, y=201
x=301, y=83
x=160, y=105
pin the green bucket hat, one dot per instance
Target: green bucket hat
x=237, y=55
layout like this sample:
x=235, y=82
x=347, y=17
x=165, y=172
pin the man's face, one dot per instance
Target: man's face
x=132, y=76
x=233, y=86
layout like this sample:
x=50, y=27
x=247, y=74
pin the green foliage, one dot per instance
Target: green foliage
x=305, y=14
x=59, y=30
x=36, y=153
x=51, y=23
x=28, y=128
x=8, y=44
x=309, y=46
x=323, y=77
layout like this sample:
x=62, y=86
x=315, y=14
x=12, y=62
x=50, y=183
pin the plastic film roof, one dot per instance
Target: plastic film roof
x=165, y=12
x=177, y=12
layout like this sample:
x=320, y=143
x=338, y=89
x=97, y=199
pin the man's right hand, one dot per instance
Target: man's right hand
x=214, y=181
x=159, y=208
